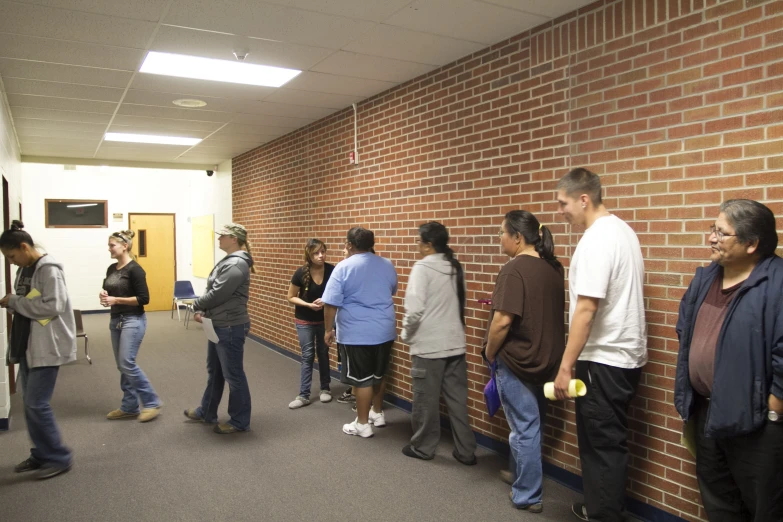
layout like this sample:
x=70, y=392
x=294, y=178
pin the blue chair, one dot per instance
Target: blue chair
x=183, y=293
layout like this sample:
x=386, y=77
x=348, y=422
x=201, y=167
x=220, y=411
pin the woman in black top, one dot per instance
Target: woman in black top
x=307, y=287
x=125, y=291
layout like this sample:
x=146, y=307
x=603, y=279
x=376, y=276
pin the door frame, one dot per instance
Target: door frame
x=8, y=285
x=174, y=216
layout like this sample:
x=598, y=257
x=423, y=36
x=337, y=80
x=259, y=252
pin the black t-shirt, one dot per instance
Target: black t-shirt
x=310, y=293
x=21, y=325
x=128, y=281
x=534, y=292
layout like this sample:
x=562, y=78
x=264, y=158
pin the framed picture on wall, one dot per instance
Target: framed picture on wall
x=76, y=213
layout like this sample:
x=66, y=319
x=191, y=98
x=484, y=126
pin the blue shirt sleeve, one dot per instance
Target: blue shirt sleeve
x=333, y=293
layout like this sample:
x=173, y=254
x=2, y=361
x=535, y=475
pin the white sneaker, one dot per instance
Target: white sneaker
x=354, y=428
x=326, y=396
x=377, y=419
x=298, y=402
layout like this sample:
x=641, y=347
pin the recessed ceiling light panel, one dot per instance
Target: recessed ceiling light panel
x=198, y=68
x=189, y=103
x=148, y=138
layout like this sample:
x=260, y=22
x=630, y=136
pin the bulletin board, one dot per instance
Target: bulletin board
x=203, y=245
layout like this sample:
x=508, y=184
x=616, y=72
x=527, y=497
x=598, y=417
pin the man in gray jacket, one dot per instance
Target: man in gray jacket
x=434, y=329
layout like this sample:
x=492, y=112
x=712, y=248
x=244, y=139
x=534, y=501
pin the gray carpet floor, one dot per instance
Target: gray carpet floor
x=292, y=465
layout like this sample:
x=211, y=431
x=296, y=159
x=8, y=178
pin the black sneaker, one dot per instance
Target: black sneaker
x=408, y=451
x=468, y=462
x=346, y=398
x=28, y=465
x=580, y=511
x=48, y=471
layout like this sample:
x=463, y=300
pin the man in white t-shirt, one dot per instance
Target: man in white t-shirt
x=607, y=341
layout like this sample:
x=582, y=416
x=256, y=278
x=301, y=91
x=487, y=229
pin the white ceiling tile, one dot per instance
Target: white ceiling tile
x=24, y=133
x=201, y=160
x=65, y=126
x=313, y=99
x=50, y=22
x=464, y=20
x=226, y=151
x=270, y=22
x=248, y=132
x=372, y=67
x=336, y=84
x=57, y=152
x=69, y=53
x=149, y=10
x=412, y=46
x=56, y=115
x=154, y=123
x=374, y=10
x=303, y=114
x=10, y=68
x=186, y=87
x=79, y=143
x=60, y=104
x=182, y=40
x=62, y=90
x=173, y=113
x=548, y=8
x=121, y=146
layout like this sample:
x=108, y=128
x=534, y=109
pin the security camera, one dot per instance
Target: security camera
x=210, y=172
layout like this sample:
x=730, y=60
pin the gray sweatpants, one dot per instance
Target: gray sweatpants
x=430, y=377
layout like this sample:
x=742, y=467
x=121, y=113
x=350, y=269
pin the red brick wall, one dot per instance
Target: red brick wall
x=676, y=103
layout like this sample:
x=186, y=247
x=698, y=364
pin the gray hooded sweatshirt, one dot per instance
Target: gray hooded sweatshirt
x=432, y=325
x=228, y=288
x=55, y=343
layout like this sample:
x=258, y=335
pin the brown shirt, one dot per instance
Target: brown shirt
x=534, y=292
x=709, y=320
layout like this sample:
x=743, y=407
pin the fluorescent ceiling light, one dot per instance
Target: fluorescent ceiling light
x=216, y=70
x=148, y=138
x=83, y=205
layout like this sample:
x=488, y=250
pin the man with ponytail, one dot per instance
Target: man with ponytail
x=43, y=338
x=434, y=328
x=607, y=341
x=525, y=341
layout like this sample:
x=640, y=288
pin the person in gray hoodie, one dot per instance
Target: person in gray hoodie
x=225, y=304
x=434, y=328
x=43, y=338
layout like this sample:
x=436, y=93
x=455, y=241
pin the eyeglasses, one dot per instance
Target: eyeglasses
x=720, y=235
x=500, y=234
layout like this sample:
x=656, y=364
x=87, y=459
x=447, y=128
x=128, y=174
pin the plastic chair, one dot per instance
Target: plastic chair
x=183, y=293
x=77, y=315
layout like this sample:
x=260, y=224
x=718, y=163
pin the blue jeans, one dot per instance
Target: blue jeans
x=37, y=389
x=225, y=364
x=311, y=341
x=521, y=402
x=127, y=331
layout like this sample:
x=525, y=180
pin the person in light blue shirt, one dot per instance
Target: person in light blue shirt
x=359, y=296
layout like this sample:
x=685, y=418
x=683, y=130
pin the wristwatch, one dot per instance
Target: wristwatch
x=774, y=416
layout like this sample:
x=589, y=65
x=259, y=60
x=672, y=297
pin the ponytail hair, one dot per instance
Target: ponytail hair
x=438, y=236
x=245, y=244
x=534, y=233
x=311, y=247
x=15, y=236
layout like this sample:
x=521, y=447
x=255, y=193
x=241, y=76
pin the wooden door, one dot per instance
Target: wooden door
x=156, y=252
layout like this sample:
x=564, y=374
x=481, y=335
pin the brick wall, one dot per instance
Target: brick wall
x=678, y=105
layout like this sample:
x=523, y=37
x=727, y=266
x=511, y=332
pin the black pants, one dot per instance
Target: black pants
x=602, y=431
x=740, y=478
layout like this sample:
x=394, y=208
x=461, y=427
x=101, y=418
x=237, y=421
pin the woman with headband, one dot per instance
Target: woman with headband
x=125, y=291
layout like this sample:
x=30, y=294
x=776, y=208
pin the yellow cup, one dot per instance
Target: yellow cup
x=576, y=388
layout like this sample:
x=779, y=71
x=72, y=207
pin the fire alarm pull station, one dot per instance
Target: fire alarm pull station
x=351, y=157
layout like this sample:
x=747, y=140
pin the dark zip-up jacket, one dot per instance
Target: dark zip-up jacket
x=228, y=289
x=749, y=355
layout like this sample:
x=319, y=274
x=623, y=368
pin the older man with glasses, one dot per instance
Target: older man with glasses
x=730, y=367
